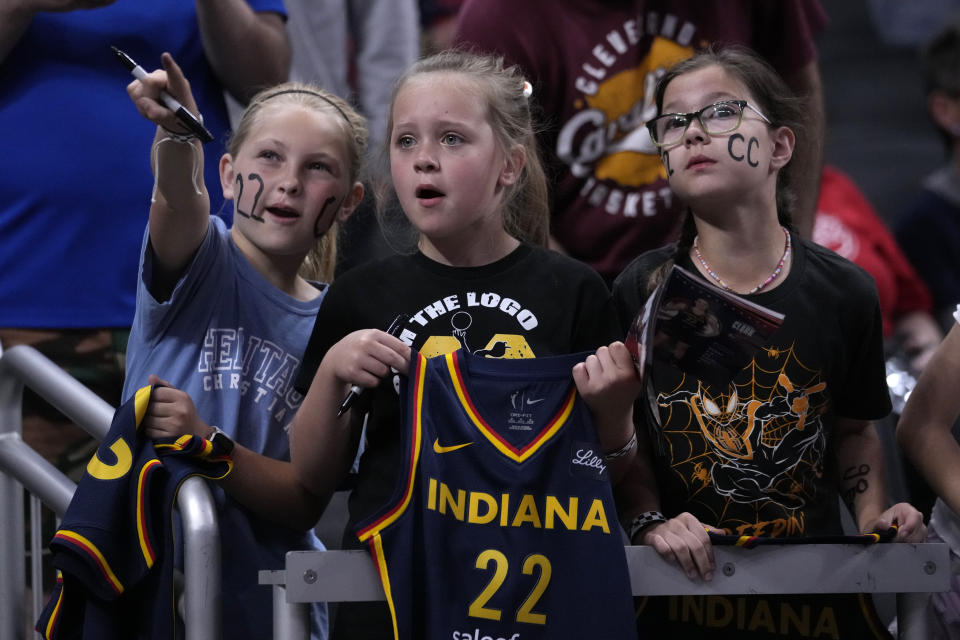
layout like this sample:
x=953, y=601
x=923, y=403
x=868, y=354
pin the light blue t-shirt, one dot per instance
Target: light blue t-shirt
x=233, y=342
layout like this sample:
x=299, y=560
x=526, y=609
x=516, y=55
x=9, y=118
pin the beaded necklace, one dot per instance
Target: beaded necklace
x=770, y=278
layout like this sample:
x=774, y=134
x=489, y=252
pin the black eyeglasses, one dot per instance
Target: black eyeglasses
x=715, y=119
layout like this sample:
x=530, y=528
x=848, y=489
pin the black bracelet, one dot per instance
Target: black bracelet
x=644, y=520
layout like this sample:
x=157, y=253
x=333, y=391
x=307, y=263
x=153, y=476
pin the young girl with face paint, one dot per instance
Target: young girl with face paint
x=769, y=454
x=223, y=315
x=465, y=168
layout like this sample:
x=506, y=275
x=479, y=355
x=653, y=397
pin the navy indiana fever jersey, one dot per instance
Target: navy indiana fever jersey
x=503, y=525
x=114, y=550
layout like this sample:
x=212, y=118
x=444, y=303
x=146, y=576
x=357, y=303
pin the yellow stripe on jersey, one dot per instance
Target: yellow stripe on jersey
x=93, y=552
x=140, y=402
x=55, y=615
x=507, y=449
x=417, y=438
x=380, y=560
x=149, y=555
x=183, y=442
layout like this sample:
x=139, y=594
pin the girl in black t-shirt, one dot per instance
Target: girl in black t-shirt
x=768, y=454
x=466, y=171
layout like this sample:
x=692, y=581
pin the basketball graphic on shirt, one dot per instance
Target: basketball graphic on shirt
x=609, y=132
x=500, y=345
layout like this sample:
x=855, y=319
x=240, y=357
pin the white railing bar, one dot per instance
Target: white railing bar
x=911, y=571
x=85, y=408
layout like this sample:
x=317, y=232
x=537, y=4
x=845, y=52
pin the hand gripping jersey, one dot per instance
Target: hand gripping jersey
x=114, y=550
x=503, y=526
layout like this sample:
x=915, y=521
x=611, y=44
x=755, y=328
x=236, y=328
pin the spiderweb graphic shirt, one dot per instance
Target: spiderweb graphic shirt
x=755, y=457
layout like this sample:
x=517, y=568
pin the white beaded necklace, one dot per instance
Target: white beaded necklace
x=770, y=278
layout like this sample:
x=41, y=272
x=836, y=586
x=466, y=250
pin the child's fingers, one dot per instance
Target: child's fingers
x=378, y=354
x=146, y=98
x=620, y=355
x=596, y=363
x=154, y=379
x=580, y=376
x=177, y=84
x=400, y=360
x=175, y=78
x=163, y=402
x=145, y=95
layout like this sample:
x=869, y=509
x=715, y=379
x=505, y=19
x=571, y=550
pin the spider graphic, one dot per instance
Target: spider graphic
x=750, y=464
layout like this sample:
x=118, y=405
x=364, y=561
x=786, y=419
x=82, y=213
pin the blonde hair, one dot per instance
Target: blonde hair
x=320, y=261
x=526, y=212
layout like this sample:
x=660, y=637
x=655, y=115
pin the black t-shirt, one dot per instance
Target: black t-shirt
x=752, y=458
x=533, y=302
x=755, y=458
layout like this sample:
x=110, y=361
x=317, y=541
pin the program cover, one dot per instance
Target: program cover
x=702, y=330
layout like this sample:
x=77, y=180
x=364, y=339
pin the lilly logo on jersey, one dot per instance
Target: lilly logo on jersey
x=466, y=635
x=586, y=462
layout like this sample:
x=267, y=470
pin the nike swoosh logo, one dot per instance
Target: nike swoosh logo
x=438, y=448
x=529, y=402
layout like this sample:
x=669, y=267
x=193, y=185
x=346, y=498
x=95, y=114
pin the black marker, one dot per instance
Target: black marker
x=394, y=330
x=188, y=119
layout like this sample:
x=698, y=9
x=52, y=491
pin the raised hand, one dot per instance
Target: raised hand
x=145, y=94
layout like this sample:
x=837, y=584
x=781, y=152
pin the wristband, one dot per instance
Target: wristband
x=644, y=520
x=622, y=451
x=218, y=437
x=180, y=137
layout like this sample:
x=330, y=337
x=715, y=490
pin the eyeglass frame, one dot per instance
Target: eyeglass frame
x=742, y=104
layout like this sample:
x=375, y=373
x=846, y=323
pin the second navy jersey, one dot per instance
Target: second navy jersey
x=114, y=551
x=503, y=525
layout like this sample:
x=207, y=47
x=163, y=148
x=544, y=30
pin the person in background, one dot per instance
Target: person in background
x=438, y=23
x=594, y=65
x=356, y=50
x=847, y=224
x=929, y=231
x=73, y=195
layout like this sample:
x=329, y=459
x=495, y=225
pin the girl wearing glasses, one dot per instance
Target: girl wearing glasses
x=769, y=454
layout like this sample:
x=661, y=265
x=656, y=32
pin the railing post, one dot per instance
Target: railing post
x=291, y=620
x=12, y=546
x=202, y=605
x=294, y=622
x=912, y=623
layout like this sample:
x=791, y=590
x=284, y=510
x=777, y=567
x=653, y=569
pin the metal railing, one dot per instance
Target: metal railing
x=911, y=571
x=23, y=468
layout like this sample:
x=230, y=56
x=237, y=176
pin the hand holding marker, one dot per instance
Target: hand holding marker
x=394, y=330
x=188, y=119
